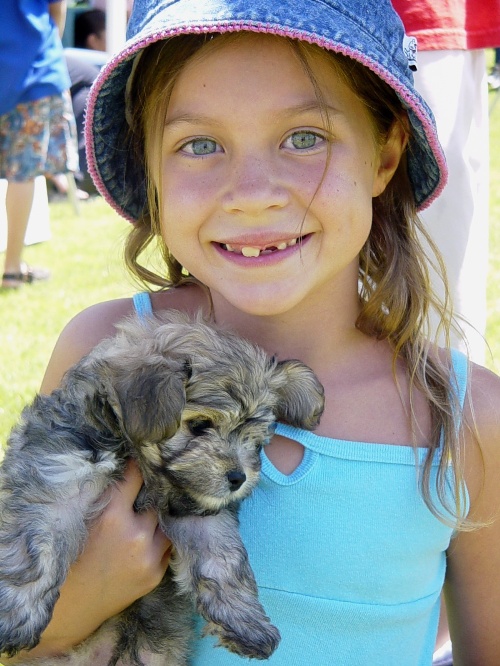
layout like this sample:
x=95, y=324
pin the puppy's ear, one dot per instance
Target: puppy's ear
x=148, y=400
x=299, y=394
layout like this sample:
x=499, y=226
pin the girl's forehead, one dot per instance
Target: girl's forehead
x=275, y=59
x=249, y=49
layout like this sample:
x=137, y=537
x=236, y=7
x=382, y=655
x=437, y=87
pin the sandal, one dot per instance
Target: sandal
x=27, y=275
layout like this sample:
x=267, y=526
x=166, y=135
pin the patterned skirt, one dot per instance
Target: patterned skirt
x=38, y=138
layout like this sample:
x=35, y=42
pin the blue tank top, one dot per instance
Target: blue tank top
x=349, y=560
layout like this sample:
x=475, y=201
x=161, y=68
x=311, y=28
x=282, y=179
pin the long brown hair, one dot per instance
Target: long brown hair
x=395, y=290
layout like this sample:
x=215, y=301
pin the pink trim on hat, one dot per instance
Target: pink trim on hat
x=88, y=132
x=323, y=42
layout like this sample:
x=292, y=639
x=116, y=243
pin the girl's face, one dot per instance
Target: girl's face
x=262, y=199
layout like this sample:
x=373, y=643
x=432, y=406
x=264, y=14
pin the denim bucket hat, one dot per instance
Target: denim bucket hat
x=368, y=31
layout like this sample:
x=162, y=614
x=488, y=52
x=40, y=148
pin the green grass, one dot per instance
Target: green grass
x=85, y=257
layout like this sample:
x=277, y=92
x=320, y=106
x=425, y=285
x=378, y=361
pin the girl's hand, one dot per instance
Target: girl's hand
x=125, y=557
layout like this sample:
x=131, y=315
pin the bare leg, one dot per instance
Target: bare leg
x=18, y=202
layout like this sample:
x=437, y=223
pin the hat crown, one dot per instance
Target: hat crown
x=374, y=23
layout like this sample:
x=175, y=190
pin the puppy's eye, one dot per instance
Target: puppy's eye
x=199, y=426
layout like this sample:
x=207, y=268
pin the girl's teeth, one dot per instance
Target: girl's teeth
x=250, y=251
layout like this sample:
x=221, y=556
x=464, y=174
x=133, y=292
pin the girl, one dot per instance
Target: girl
x=277, y=154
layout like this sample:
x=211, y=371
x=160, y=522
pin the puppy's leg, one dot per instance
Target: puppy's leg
x=211, y=563
x=46, y=497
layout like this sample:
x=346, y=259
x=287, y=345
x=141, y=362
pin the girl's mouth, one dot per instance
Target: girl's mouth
x=254, y=251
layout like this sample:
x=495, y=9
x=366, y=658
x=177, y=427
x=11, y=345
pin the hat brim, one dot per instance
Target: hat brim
x=121, y=179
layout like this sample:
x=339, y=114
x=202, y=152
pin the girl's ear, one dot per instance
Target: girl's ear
x=390, y=156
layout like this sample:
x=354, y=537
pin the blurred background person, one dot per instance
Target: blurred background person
x=452, y=76
x=84, y=61
x=494, y=77
x=101, y=4
x=90, y=30
x=37, y=126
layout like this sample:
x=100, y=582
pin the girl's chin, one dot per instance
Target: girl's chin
x=261, y=304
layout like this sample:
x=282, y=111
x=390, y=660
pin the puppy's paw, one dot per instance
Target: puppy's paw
x=255, y=640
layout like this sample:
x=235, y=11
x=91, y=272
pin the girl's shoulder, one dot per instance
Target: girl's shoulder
x=482, y=433
x=483, y=392
x=478, y=386
x=99, y=321
x=81, y=335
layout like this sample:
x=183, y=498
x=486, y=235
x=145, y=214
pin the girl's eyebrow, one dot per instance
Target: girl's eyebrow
x=289, y=112
x=189, y=119
x=311, y=107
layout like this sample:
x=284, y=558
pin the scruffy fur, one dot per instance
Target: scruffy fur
x=193, y=406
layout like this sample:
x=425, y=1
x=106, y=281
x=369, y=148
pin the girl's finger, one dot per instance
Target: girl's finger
x=132, y=482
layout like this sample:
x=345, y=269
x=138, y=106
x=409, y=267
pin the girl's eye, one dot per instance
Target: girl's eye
x=201, y=146
x=304, y=140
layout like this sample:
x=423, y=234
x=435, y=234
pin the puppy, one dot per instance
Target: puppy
x=193, y=406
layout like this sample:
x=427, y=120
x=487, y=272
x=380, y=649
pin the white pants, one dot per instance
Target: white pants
x=454, y=85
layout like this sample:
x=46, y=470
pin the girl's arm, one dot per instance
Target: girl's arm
x=473, y=577
x=126, y=554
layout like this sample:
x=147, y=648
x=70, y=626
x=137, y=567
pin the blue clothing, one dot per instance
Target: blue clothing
x=32, y=64
x=142, y=304
x=349, y=560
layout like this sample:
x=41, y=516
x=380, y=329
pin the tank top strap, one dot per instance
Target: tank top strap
x=143, y=305
x=460, y=364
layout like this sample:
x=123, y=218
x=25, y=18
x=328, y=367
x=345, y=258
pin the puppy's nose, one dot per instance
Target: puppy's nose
x=236, y=479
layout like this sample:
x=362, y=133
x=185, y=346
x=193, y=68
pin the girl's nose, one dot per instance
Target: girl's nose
x=253, y=187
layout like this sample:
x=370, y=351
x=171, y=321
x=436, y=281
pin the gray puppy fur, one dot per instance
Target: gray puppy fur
x=193, y=406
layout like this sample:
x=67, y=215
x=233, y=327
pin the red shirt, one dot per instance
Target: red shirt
x=451, y=24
